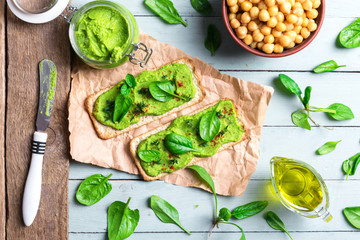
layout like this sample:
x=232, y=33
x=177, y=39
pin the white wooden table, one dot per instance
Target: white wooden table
x=280, y=137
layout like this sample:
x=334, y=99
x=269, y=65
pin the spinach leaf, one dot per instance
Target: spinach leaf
x=346, y=168
x=163, y=91
x=327, y=67
x=121, y=107
x=93, y=189
x=207, y=178
x=178, y=144
x=290, y=84
x=130, y=80
x=307, y=95
x=327, y=148
x=201, y=6
x=213, y=39
x=342, y=112
x=122, y=221
x=149, y=155
x=275, y=222
x=352, y=214
x=300, y=119
x=350, y=36
x=209, y=125
x=349, y=166
x=165, y=211
x=124, y=89
x=249, y=209
x=225, y=214
x=166, y=10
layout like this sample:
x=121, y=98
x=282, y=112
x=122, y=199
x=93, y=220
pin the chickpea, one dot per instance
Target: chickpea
x=265, y=30
x=292, y=2
x=280, y=17
x=276, y=33
x=269, y=39
x=252, y=26
x=260, y=45
x=238, y=17
x=245, y=17
x=305, y=22
x=255, y=1
x=257, y=31
x=262, y=5
x=231, y=3
x=278, y=48
x=305, y=33
x=273, y=11
x=232, y=16
x=240, y=1
x=291, y=45
x=235, y=23
x=272, y=22
x=258, y=37
x=312, y=26
x=234, y=9
x=280, y=1
x=248, y=39
x=312, y=14
x=241, y=32
x=246, y=6
x=285, y=40
x=298, y=11
x=289, y=26
x=297, y=4
x=299, y=21
x=281, y=27
x=270, y=3
x=316, y=4
x=291, y=18
x=307, y=5
x=254, y=12
x=253, y=44
x=297, y=29
x=264, y=15
x=291, y=34
x=268, y=48
x=299, y=39
x=285, y=8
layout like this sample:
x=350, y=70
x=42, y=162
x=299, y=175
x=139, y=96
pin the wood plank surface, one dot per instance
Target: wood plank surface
x=27, y=45
x=2, y=121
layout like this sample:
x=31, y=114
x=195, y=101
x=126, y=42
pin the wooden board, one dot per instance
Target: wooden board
x=2, y=121
x=27, y=45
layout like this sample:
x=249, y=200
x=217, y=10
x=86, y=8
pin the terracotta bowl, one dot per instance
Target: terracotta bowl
x=319, y=21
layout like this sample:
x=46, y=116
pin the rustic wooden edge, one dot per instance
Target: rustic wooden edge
x=27, y=45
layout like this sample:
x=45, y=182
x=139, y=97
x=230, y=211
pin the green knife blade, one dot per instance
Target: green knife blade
x=48, y=74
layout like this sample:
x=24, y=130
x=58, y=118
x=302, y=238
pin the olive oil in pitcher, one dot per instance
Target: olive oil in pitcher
x=300, y=188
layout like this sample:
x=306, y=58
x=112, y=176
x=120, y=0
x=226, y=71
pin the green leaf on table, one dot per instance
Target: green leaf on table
x=178, y=144
x=93, y=189
x=213, y=39
x=121, y=107
x=307, y=95
x=201, y=6
x=352, y=214
x=327, y=67
x=301, y=119
x=350, y=36
x=124, y=89
x=242, y=231
x=130, y=80
x=163, y=91
x=165, y=211
x=327, y=148
x=249, y=209
x=342, y=112
x=349, y=166
x=165, y=9
x=149, y=155
x=225, y=214
x=290, y=84
x=122, y=221
x=275, y=222
x=209, y=125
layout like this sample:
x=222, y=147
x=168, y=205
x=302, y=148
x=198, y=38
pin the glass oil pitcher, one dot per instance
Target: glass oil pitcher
x=300, y=188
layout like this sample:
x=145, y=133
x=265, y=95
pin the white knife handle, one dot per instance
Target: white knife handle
x=31, y=199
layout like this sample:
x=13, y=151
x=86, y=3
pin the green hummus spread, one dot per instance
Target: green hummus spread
x=230, y=131
x=144, y=103
x=102, y=34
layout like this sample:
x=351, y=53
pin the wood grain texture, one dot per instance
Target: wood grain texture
x=27, y=45
x=2, y=120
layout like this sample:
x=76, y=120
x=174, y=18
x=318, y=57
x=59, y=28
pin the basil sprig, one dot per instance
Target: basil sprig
x=349, y=166
x=178, y=144
x=275, y=222
x=327, y=148
x=209, y=125
x=149, y=155
x=327, y=67
x=165, y=9
x=122, y=106
x=352, y=214
x=350, y=36
x=129, y=83
x=163, y=91
x=301, y=117
x=201, y=6
x=122, y=221
x=213, y=39
x=165, y=211
x=93, y=189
